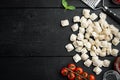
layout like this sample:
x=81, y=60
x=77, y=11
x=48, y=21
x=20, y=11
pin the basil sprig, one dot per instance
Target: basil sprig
x=66, y=6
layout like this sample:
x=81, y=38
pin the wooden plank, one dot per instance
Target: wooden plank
x=37, y=32
x=45, y=3
x=39, y=68
x=38, y=3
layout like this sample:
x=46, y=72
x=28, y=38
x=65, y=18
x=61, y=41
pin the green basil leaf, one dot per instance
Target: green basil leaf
x=71, y=7
x=64, y=3
x=66, y=6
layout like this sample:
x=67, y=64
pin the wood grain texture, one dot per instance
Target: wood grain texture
x=39, y=68
x=37, y=32
x=45, y=3
x=32, y=40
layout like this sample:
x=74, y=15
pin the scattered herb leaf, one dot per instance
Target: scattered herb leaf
x=71, y=7
x=66, y=6
x=64, y=3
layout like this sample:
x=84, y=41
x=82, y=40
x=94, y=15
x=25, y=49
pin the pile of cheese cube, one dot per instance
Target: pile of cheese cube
x=95, y=36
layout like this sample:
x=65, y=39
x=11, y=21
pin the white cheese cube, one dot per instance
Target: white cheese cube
x=76, y=58
x=78, y=49
x=115, y=41
x=104, y=49
x=102, y=15
x=84, y=51
x=73, y=37
x=75, y=27
x=75, y=44
x=84, y=24
x=83, y=19
x=86, y=13
x=94, y=58
x=94, y=48
x=101, y=21
x=89, y=29
x=80, y=36
x=91, y=41
x=97, y=43
x=92, y=53
x=109, y=37
x=118, y=35
x=104, y=43
x=105, y=24
x=98, y=51
x=97, y=70
x=84, y=41
x=97, y=27
x=107, y=31
x=93, y=16
x=76, y=19
x=114, y=52
x=84, y=57
x=80, y=43
x=64, y=22
x=88, y=45
x=114, y=30
x=106, y=63
x=98, y=63
x=102, y=54
x=87, y=35
x=89, y=22
x=69, y=47
x=81, y=30
x=101, y=37
x=108, y=51
x=109, y=45
x=95, y=35
x=88, y=63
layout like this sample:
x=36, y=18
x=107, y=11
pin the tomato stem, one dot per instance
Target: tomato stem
x=76, y=73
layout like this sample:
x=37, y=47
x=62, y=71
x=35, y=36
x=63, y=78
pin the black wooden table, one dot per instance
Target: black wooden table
x=32, y=40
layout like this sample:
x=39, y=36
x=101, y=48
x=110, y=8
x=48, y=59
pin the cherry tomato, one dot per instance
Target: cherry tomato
x=64, y=71
x=78, y=78
x=91, y=77
x=72, y=66
x=116, y=1
x=85, y=74
x=71, y=76
x=79, y=70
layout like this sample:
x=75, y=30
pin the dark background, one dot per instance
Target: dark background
x=32, y=40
